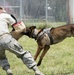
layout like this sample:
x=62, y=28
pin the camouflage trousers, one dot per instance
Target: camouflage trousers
x=7, y=42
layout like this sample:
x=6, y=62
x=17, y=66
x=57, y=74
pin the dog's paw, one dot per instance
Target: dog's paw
x=38, y=64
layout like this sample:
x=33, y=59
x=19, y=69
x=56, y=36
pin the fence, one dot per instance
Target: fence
x=37, y=10
x=13, y=7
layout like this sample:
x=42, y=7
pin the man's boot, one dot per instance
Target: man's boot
x=9, y=72
x=37, y=71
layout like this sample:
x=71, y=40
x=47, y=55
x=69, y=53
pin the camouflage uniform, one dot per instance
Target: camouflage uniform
x=7, y=42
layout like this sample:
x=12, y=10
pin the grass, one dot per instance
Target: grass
x=58, y=61
x=43, y=24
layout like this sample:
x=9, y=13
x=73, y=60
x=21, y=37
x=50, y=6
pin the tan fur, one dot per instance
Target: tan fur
x=58, y=34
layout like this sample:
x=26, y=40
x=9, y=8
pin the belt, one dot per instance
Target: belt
x=4, y=34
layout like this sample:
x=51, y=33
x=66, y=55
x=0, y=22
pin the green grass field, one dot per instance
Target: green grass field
x=58, y=61
x=43, y=24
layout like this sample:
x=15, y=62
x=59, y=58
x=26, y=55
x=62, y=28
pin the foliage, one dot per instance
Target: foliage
x=43, y=24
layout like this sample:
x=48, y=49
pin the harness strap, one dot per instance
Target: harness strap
x=47, y=31
x=51, y=39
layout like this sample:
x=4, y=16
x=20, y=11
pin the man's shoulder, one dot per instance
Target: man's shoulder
x=5, y=15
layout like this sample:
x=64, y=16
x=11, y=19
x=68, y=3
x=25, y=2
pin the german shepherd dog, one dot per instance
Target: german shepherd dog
x=46, y=37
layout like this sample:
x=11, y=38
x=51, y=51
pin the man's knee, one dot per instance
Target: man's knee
x=5, y=67
x=20, y=54
x=28, y=60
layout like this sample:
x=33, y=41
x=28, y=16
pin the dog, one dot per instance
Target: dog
x=48, y=36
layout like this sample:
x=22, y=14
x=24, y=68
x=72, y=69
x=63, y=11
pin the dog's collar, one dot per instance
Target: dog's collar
x=47, y=31
x=34, y=34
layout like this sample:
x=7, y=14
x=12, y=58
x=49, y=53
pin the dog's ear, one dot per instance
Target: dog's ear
x=32, y=27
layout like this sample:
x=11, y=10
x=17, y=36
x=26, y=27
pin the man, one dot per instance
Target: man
x=7, y=42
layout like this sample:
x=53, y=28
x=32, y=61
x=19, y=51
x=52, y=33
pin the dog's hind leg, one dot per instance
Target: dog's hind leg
x=37, y=52
x=43, y=54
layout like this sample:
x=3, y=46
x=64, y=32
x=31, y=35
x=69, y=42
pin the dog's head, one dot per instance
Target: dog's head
x=30, y=31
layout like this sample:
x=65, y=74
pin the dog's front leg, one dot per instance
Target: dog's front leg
x=37, y=52
x=43, y=54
